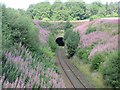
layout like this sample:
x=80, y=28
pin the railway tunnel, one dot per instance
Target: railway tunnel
x=60, y=41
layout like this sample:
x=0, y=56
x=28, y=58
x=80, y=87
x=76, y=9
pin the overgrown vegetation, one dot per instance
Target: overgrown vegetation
x=72, y=10
x=94, y=17
x=72, y=43
x=28, y=64
x=71, y=39
x=68, y=25
x=83, y=54
x=110, y=70
x=109, y=27
x=104, y=63
x=102, y=68
x=90, y=29
x=97, y=60
x=45, y=24
x=52, y=43
x=95, y=77
x=18, y=28
x=25, y=63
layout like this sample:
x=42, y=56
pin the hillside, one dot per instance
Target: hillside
x=60, y=45
x=98, y=49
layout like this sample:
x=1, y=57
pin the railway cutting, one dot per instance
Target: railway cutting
x=75, y=77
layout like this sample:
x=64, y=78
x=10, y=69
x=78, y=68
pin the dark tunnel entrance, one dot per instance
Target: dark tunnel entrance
x=60, y=41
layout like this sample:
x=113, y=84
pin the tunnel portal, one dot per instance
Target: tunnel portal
x=60, y=41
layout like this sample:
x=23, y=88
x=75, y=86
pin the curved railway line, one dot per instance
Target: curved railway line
x=75, y=77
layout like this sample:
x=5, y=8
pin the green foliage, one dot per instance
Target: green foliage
x=115, y=14
x=90, y=29
x=67, y=25
x=47, y=52
x=94, y=17
x=45, y=24
x=111, y=70
x=66, y=35
x=97, y=60
x=40, y=10
x=54, y=27
x=52, y=43
x=0, y=34
x=67, y=28
x=71, y=10
x=10, y=71
x=18, y=27
x=83, y=53
x=72, y=41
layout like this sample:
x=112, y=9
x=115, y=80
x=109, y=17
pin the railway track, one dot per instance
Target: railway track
x=72, y=73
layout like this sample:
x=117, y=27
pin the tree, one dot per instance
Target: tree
x=72, y=41
x=40, y=10
x=67, y=25
x=71, y=10
x=18, y=27
x=111, y=70
x=52, y=43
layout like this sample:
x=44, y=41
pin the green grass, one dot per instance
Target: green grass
x=90, y=29
x=96, y=81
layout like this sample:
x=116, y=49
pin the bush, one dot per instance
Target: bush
x=83, y=53
x=66, y=35
x=97, y=60
x=46, y=19
x=111, y=70
x=115, y=15
x=67, y=25
x=90, y=29
x=45, y=24
x=52, y=43
x=93, y=17
x=72, y=41
x=17, y=28
x=108, y=15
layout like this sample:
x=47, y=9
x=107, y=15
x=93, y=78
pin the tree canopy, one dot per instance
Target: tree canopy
x=72, y=10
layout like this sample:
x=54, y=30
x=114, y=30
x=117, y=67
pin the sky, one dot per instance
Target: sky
x=24, y=4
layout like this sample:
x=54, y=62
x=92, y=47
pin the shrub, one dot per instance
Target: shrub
x=72, y=41
x=93, y=17
x=83, y=53
x=97, y=60
x=108, y=15
x=66, y=35
x=115, y=15
x=17, y=28
x=67, y=25
x=111, y=70
x=52, y=43
x=46, y=19
x=90, y=29
x=45, y=24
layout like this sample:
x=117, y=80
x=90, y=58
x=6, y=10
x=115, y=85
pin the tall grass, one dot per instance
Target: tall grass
x=94, y=78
